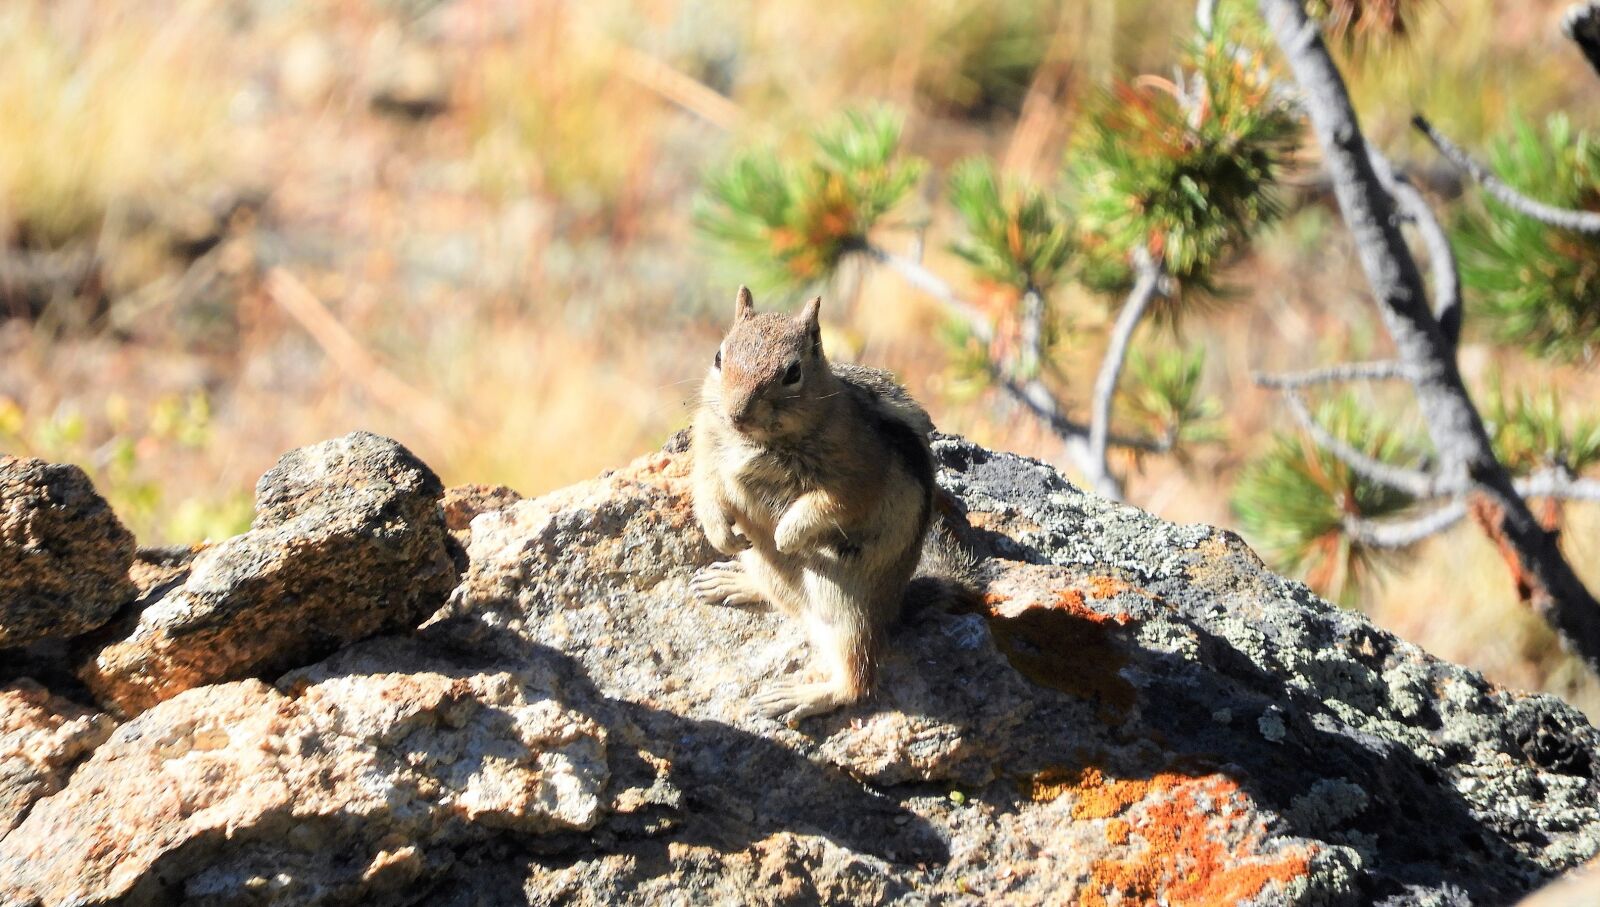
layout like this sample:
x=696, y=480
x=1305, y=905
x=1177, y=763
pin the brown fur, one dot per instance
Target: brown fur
x=821, y=489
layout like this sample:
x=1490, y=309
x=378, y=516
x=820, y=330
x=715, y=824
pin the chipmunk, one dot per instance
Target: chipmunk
x=818, y=479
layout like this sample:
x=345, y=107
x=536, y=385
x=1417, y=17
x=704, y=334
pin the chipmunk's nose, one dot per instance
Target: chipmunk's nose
x=742, y=412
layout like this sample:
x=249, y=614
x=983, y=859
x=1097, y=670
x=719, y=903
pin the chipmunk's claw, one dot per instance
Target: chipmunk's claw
x=792, y=701
x=725, y=583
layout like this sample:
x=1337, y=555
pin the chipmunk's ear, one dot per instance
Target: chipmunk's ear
x=808, y=320
x=744, y=305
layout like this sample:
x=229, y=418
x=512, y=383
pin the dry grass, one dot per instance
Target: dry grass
x=103, y=112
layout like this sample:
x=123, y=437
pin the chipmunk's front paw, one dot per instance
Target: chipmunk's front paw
x=725, y=583
x=724, y=537
x=791, y=701
x=790, y=537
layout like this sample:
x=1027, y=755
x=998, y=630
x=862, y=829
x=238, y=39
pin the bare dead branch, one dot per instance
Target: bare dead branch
x=1587, y=222
x=1205, y=17
x=439, y=426
x=1441, y=256
x=1383, y=370
x=1581, y=23
x=1391, y=534
x=1454, y=424
x=1558, y=484
x=678, y=87
x=1145, y=289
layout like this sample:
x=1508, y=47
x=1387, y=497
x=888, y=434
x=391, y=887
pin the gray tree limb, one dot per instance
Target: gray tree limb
x=1454, y=423
x=918, y=275
x=1420, y=485
x=1404, y=533
x=1145, y=288
x=1581, y=23
x=1553, y=483
x=1441, y=256
x=1383, y=370
x=1205, y=17
x=1587, y=222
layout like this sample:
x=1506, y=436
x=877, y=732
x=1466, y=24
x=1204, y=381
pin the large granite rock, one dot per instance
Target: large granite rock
x=42, y=737
x=348, y=542
x=64, y=556
x=1137, y=713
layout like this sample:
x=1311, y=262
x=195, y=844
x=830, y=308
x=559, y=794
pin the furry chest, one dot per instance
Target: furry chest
x=763, y=483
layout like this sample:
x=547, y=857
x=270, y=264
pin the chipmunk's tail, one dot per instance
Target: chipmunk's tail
x=948, y=577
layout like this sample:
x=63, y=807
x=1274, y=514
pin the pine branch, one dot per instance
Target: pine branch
x=1383, y=370
x=1441, y=255
x=1581, y=23
x=1032, y=394
x=1556, y=483
x=1145, y=289
x=1390, y=534
x=1587, y=222
x=1454, y=424
x=1415, y=482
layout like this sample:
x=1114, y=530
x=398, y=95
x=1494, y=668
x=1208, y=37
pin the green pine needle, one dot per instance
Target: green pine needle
x=1160, y=398
x=1016, y=235
x=1293, y=499
x=1538, y=286
x=790, y=221
x=1191, y=178
x=1530, y=434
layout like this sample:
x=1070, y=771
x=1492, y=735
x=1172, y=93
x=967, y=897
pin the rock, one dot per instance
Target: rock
x=463, y=503
x=1136, y=712
x=41, y=737
x=64, y=556
x=348, y=542
x=337, y=787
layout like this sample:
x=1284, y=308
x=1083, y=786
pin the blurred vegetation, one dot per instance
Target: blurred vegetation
x=125, y=450
x=1535, y=285
x=91, y=111
x=1295, y=498
x=791, y=221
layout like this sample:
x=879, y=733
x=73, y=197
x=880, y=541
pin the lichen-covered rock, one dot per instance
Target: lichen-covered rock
x=346, y=783
x=348, y=542
x=463, y=503
x=64, y=556
x=1135, y=712
x=41, y=737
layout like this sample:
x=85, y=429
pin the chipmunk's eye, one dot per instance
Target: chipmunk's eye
x=717, y=362
x=792, y=376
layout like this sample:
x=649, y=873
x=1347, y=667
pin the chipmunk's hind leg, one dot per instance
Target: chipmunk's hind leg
x=727, y=583
x=845, y=647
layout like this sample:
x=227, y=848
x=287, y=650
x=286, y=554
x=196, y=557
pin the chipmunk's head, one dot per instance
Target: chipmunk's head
x=769, y=378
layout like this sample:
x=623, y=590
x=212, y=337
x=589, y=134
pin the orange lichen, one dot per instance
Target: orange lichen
x=1074, y=602
x=1117, y=831
x=1193, y=855
x=1098, y=797
x=1104, y=586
